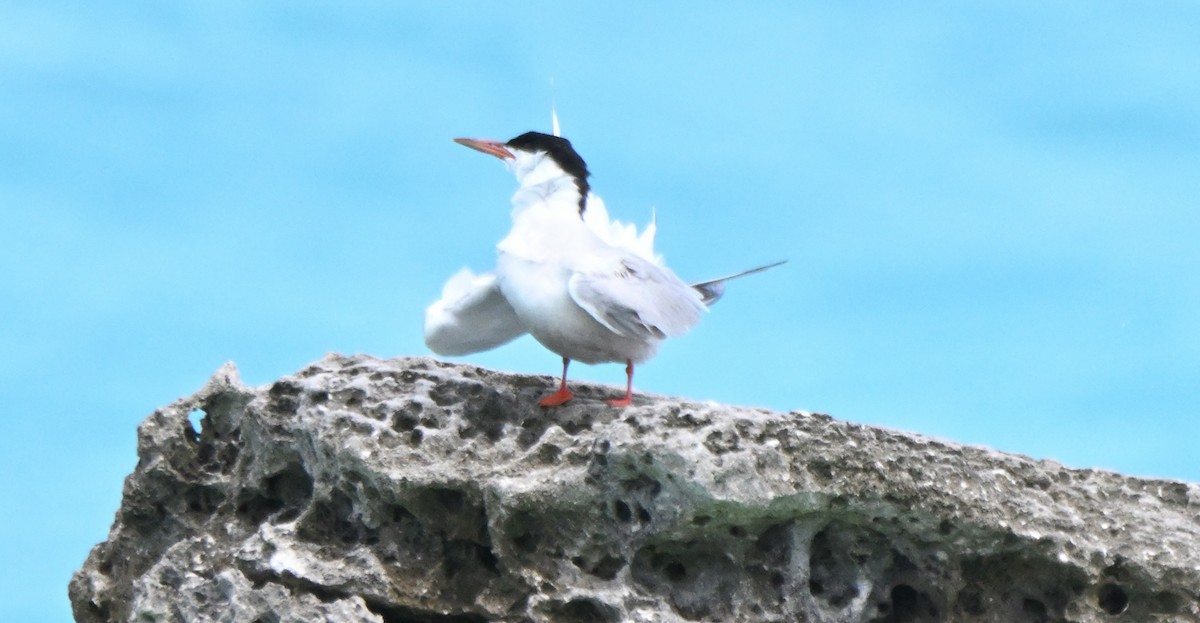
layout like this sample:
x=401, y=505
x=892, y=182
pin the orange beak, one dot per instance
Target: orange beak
x=494, y=148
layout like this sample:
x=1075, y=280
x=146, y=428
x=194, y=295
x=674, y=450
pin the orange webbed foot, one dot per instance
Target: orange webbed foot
x=557, y=399
x=621, y=402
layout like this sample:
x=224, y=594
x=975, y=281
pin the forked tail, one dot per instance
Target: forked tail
x=711, y=291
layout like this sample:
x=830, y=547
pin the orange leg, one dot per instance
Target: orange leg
x=628, y=399
x=563, y=394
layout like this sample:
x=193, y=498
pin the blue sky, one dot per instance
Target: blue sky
x=990, y=212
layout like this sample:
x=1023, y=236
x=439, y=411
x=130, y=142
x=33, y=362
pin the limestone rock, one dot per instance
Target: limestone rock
x=410, y=490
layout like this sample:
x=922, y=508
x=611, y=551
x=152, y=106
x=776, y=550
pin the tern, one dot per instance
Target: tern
x=585, y=287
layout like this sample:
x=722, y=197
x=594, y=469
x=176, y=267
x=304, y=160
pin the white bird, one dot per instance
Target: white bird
x=585, y=287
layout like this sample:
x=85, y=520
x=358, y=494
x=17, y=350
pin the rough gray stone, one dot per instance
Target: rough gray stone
x=410, y=490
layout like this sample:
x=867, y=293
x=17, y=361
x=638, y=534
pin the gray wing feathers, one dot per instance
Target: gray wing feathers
x=636, y=299
x=471, y=316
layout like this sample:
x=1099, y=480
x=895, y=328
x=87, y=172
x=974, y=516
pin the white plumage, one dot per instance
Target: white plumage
x=471, y=316
x=586, y=287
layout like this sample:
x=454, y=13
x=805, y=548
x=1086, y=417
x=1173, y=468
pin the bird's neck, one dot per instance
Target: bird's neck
x=546, y=230
x=543, y=180
x=546, y=223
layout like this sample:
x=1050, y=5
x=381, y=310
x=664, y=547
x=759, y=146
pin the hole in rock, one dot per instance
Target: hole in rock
x=452, y=500
x=908, y=605
x=905, y=598
x=489, y=559
x=971, y=603
x=525, y=531
x=834, y=563
x=403, y=422
x=607, y=568
x=329, y=519
x=624, y=513
x=201, y=499
x=584, y=610
x=467, y=557
x=290, y=489
x=196, y=422
x=1113, y=599
x=1034, y=607
x=468, y=569
x=525, y=542
x=549, y=453
x=776, y=538
x=399, y=614
x=283, y=397
x=675, y=572
x=700, y=582
x=100, y=611
x=643, y=487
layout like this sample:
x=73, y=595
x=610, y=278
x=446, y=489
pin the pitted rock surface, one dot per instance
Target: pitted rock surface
x=416, y=491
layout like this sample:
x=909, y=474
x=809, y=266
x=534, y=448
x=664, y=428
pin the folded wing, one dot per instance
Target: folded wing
x=471, y=316
x=635, y=298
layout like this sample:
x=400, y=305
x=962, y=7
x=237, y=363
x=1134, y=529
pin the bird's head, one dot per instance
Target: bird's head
x=536, y=158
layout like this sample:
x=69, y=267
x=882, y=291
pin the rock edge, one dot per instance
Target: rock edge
x=412, y=490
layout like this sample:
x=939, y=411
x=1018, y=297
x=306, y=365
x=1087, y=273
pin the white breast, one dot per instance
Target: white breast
x=536, y=261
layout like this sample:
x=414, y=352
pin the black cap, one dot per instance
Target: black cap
x=560, y=150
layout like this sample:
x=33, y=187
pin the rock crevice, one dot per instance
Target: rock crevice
x=412, y=490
